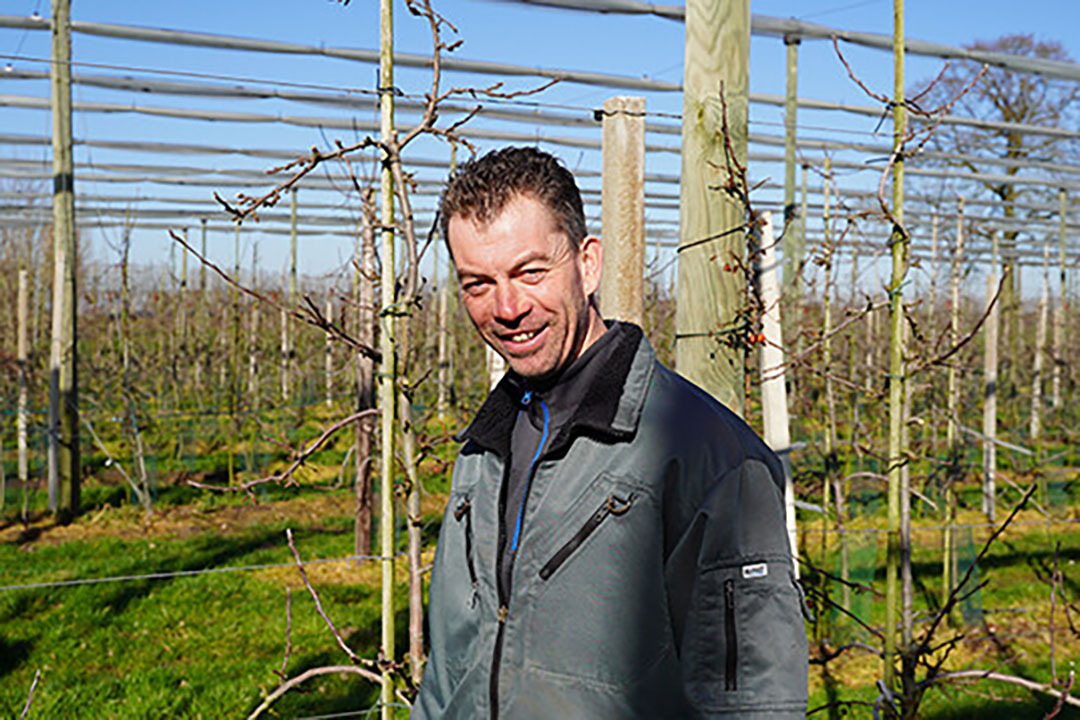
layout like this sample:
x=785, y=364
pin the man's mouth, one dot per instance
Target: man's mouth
x=521, y=342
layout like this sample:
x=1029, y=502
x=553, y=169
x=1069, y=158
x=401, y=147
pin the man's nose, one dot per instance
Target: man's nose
x=510, y=303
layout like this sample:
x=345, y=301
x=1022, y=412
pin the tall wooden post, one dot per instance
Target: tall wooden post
x=22, y=357
x=622, y=288
x=64, y=469
x=1059, y=311
x=774, y=408
x=897, y=545
x=794, y=239
x=1035, y=428
x=711, y=222
x=952, y=399
x=387, y=379
x=990, y=386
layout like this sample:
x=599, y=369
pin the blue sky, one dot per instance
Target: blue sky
x=492, y=30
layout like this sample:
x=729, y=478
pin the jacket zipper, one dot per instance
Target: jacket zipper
x=464, y=511
x=611, y=506
x=731, y=640
x=504, y=600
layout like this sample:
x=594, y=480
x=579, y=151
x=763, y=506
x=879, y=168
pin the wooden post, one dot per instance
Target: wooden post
x=952, y=399
x=710, y=222
x=1035, y=428
x=622, y=289
x=1059, y=311
x=387, y=380
x=990, y=386
x=22, y=358
x=794, y=240
x=774, y=408
x=897, y=544
x=64, y=467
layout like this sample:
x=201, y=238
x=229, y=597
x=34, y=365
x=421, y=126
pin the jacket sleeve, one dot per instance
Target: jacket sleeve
x=736, y=608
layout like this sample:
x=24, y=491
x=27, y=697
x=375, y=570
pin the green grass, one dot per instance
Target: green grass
x=205, y=646
x=201, y=646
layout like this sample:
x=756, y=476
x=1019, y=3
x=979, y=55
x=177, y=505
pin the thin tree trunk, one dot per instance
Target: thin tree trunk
x=364, y=294
x=990, y=389
x=329, y=354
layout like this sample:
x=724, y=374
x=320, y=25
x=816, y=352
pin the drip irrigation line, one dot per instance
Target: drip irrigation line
x=186, y=573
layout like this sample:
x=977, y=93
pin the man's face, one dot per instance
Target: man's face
x=525, y=286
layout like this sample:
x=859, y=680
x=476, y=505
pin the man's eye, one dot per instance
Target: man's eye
x=533, y=274
x=473, y=288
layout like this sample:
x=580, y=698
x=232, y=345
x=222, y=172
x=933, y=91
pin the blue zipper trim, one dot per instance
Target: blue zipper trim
x=528, y=473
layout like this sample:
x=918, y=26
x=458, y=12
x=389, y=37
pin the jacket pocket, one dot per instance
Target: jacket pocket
x=745, y=643
x=463, y=514
x=613, y=505
x=602, y=557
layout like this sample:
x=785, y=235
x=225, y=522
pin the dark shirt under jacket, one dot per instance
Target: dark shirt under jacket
x=558, y=398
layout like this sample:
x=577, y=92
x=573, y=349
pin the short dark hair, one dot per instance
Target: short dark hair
x=481, y=188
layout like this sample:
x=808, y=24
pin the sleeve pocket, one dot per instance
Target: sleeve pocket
x=745, y=646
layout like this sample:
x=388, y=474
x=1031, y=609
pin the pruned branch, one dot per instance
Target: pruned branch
x=299, y=457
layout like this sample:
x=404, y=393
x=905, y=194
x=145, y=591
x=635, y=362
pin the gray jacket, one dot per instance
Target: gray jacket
x=653, y=577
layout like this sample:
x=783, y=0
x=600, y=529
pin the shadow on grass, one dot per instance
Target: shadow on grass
x=13, y=654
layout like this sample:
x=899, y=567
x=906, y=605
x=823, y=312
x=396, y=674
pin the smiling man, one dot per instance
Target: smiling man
x=614, y=542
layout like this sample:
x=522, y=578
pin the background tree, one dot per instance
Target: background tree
x=1004, y=99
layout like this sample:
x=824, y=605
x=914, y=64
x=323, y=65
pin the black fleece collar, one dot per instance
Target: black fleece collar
x=595, y=414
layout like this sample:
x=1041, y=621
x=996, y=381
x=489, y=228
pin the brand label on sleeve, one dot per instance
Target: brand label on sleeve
x=758, y=570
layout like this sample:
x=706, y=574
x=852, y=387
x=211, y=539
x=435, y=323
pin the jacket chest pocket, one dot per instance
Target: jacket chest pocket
x=596, y=607
x=611, y=506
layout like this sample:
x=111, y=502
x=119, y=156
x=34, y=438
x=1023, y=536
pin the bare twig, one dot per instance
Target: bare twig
x=288, y=634
x=1062, y=695
x=30, y=695
x=318, y=606
x=307, y=675
x=316, y=321
x=299, y=457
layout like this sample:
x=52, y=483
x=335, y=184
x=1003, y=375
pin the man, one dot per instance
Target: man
x=614, y=543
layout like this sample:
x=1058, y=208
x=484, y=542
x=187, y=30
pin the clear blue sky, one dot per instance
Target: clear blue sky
x=492, y=30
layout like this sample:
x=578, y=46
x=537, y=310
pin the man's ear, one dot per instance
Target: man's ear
x=590, y=263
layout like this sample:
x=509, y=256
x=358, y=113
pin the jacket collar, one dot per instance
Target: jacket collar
x=610, y=409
